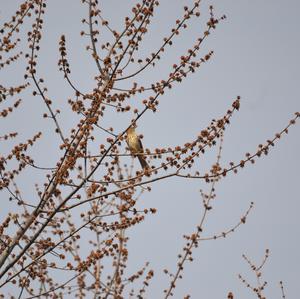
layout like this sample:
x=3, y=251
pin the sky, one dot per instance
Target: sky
x=256, y=56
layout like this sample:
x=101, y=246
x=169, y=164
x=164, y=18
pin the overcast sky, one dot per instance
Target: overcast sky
x=256, y=56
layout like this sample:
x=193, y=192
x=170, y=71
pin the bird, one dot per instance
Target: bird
x=135, y=146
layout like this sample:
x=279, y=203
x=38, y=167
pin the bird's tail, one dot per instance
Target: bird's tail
x=143, y=162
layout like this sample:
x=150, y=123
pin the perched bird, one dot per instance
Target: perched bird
x=135, y=146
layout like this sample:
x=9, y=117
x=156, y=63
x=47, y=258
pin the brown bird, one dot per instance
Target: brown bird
x=135, y=146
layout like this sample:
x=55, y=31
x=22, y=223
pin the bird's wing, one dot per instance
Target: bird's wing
x=140, y=145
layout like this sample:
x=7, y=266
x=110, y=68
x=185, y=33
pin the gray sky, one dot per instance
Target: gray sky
x=257, y=57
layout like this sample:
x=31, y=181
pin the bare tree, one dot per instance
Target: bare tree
x=73, y=224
